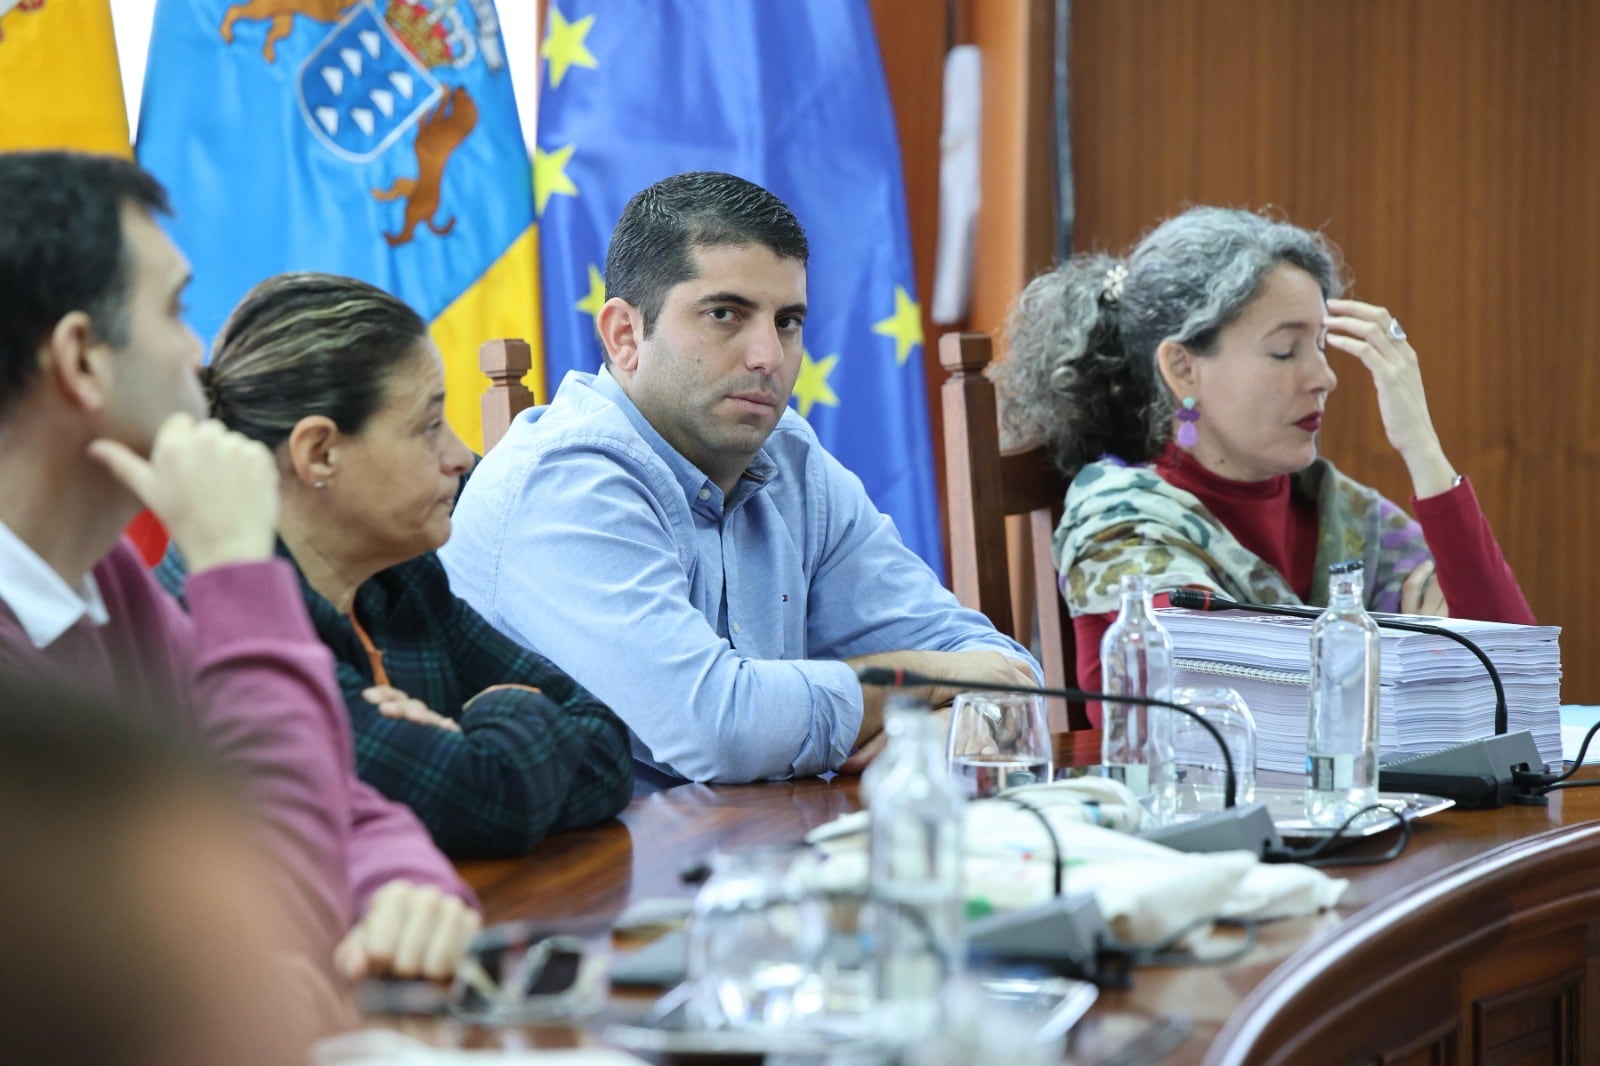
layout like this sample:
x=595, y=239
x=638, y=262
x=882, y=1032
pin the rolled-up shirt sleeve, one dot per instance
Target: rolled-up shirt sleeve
x=870, y=593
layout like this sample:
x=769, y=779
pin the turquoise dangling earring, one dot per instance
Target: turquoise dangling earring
x=1188, y=436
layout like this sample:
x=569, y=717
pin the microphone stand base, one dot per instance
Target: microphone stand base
x=1479, y=775
x=1244, y=828
x=1066, y=933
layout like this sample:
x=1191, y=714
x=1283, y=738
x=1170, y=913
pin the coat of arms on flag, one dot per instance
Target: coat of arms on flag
x=373, y=138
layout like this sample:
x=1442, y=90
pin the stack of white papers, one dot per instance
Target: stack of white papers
x=1433, y=693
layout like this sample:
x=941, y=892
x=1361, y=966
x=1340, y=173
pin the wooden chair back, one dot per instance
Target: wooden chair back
x=505, y=361
x=984, y=487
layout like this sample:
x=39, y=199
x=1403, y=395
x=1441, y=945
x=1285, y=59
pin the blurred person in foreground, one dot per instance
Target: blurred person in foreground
x=137, y=923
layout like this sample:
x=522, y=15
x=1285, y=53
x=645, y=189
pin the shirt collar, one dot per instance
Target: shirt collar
x=691, y=478
x=43, y=602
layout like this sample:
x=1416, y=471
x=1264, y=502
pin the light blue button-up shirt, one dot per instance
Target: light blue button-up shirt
x=713, y=626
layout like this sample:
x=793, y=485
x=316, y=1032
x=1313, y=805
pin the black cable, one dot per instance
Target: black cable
x=1577, y=764
x=1058, y=859
x=895, y=677
x=1591, y=783
x=1317, y=855
x=1201, y=600
x=1372, y=860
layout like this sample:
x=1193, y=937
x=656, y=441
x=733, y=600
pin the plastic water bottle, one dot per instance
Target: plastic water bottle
x=1342, y=732
x=914, y=872
x=1136, y=742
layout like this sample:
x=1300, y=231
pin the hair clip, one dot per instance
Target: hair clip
x=1111, y=287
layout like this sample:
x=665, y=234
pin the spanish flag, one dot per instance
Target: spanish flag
x=60, y=86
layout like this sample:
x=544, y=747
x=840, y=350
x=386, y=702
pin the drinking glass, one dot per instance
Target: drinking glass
x=999, y=741
x=1201, y=772
x=755, y=939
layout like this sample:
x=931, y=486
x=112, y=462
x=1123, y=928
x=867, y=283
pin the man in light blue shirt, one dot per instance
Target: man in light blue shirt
x=677, y=539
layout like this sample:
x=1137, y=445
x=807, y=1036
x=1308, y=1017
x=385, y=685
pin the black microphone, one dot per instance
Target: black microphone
x=1478, y=775
x=1204, y=600
x=894, y=677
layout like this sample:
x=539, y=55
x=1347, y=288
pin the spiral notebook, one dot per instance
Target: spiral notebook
x=1432, y=692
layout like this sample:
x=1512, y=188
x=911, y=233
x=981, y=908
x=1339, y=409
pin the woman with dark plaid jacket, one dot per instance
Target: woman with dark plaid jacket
x=490, y=743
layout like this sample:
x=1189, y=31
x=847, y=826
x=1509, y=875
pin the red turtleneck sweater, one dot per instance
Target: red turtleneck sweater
x=1266, y=518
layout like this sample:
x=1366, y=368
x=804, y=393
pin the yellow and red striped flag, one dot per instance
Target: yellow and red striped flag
x=60, y=86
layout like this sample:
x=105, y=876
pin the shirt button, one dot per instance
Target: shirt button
x=705, y=494
x=736, y=627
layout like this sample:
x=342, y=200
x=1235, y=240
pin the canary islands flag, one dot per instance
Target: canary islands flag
x=374, y=138
x=790, y=96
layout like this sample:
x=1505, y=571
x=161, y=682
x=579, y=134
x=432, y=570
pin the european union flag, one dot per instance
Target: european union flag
x=374, y=138
x=790, y=96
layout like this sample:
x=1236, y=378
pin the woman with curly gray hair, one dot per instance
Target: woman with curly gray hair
x=1182, y=390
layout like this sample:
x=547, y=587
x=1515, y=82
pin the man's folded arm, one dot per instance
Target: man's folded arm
x=872, y=595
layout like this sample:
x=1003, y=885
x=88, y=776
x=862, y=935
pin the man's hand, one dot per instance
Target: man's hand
x=992, y=667
x=409, y=930
x=392, y=703
x=215, y=490
x=862, y=757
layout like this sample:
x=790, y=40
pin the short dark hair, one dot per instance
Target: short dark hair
x=307, y=344
x=62, y=250
x=651, y=245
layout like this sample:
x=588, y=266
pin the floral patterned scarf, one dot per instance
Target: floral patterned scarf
x=1124, y=519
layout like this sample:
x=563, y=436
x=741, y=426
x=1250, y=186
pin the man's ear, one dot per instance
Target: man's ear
x=621, y=328
x=80, y=364
x=312, y=450
x=1180, y=368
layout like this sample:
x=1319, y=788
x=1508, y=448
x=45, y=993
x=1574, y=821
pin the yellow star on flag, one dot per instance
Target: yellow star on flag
x=550, y=175
x=563, y=45
x=905, y=325
x=811, y=386
x=596, y=296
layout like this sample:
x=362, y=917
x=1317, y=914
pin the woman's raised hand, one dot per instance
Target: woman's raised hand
x=1365, y=331
x=1421, y=594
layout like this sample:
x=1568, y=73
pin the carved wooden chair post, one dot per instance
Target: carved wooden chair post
x=983, y=487
x=505, y=361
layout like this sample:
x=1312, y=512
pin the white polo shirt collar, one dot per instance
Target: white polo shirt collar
x=44, y=604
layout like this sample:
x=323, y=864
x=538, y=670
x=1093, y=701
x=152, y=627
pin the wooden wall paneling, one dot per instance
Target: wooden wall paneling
x=1017, y=216
x=1447, y=146
x=1016, y=235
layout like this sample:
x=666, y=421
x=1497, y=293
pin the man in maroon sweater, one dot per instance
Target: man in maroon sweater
x=100, y=415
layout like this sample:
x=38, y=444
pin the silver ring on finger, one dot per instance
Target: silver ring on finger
x=1395, y=332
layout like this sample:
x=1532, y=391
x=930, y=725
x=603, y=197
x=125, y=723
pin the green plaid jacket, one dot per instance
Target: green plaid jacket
x=523, y=765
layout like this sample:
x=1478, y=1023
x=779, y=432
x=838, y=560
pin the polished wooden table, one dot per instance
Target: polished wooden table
x=1479, y=944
